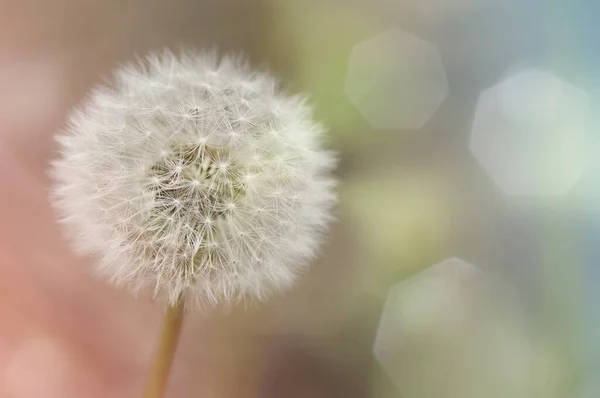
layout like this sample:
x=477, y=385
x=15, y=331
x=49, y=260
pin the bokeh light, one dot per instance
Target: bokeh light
x=396, y=80
x=452, y=331
x=530, y=133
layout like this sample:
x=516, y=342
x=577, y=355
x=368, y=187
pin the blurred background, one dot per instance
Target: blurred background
x=464, y=259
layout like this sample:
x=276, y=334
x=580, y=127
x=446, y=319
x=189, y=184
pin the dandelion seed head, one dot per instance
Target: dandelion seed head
x=194, y=176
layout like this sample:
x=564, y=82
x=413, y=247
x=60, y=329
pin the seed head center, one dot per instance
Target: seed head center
x=196, y=183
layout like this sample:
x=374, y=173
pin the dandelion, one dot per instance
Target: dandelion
x=195, y=177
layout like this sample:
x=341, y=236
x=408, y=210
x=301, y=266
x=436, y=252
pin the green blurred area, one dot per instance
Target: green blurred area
x=405, y=212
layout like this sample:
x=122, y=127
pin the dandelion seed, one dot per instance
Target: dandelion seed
x=195, y=178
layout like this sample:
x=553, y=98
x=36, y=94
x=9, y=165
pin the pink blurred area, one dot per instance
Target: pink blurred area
x=52, y=51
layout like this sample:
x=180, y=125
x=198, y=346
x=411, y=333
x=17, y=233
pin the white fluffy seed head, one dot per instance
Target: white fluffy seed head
x=196, y=177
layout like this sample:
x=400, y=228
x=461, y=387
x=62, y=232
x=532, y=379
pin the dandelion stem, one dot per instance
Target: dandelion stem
x=163, y=360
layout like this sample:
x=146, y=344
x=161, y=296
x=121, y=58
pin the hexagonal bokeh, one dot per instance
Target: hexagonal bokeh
x=530, y=133
x=450, y=331
x=396, y=80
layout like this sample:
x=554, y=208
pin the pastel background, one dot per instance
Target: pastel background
x=465, y=258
